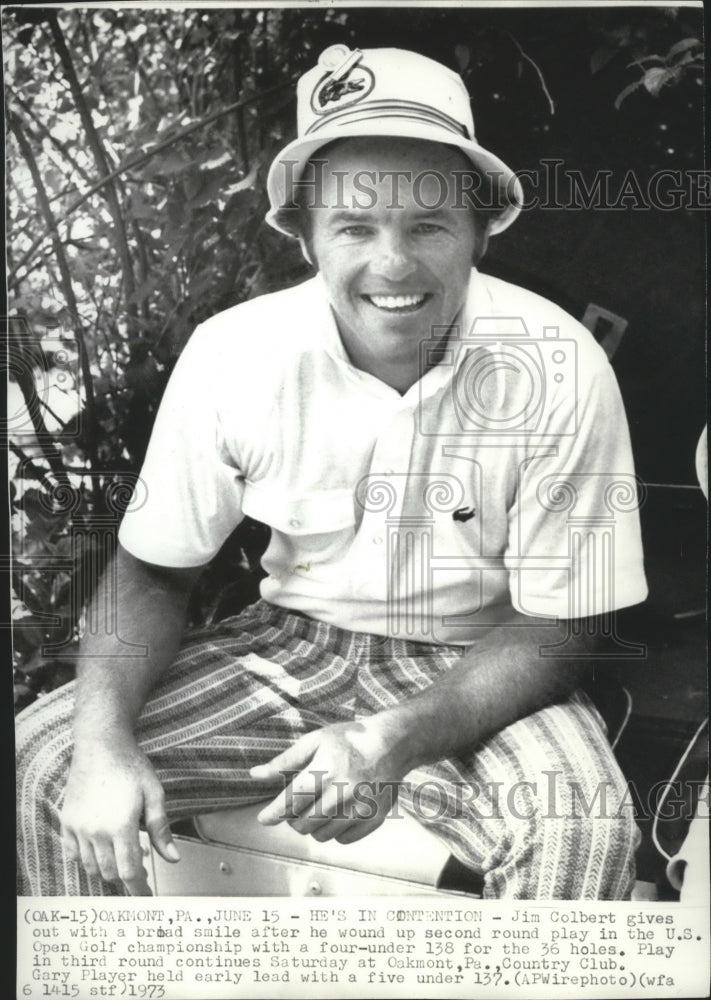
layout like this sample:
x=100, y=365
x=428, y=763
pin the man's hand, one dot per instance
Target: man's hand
x=345, y=782
x=346, y=775
x=111, y=785
x=109, y=791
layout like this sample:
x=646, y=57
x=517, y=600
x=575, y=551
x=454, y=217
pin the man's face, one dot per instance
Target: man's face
x=395, y=251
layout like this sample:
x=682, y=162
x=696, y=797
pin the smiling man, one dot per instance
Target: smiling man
x=443, y=461
x=395, y=269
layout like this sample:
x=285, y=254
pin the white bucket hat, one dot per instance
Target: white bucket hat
x=388, y=92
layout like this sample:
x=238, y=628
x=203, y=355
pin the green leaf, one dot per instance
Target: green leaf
x=624, y=94
x=244, y=184
x=463, y=56
x=169, y=163
x=213, y=161
x=641, y=60
x=210, y=190
x=31, y=470
x=654, y=79
x=601, y=57
x=29, y=633
x=683, y=46
x=178, y=214
x=140, y=208
x=202, y=284
x=145, y=289
x=23, y=696
x=686, y=60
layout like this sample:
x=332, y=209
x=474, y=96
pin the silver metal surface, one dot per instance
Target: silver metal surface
x=211, y=870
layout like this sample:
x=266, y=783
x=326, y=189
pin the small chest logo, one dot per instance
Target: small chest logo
x=464, y=514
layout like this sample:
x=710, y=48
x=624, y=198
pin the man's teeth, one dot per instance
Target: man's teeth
x=396, y=301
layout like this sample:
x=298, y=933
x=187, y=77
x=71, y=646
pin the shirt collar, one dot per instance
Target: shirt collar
x=478, y=303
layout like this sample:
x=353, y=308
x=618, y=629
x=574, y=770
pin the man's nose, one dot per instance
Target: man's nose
x=393, y=259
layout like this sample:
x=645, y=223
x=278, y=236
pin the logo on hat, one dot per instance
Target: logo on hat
x=345, y=84
x=336, y=89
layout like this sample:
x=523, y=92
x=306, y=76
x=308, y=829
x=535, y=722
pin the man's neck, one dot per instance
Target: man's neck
x=401, y=371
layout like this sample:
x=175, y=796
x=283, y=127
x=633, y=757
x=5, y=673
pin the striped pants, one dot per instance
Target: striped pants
x=540, y=810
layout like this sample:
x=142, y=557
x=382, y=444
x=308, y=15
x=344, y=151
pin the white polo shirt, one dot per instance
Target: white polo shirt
x=502, y=478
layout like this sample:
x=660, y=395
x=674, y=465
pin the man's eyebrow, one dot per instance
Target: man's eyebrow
x=349, y=216
x=366, y=214
x=440, y=212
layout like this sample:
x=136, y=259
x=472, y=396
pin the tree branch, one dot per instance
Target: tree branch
x=102, y=164
x=138, y=161
x=536, y=67
x=18, y=128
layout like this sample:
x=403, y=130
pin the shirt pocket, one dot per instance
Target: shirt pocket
x=319, y=512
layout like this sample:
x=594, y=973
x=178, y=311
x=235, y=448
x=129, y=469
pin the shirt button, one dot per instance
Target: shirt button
x=295, y=522
x=377, y=540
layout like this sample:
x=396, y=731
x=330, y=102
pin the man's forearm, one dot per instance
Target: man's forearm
x=500, y=679
x=137, y=618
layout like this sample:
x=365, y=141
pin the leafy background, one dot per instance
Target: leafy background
x=137, y=146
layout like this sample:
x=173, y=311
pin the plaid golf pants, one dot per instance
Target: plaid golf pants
x=540, y=810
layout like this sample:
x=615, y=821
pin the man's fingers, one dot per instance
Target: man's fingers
x=139, y=886
x=158, y=829
x=335, y=812
x=106, y=859
x=334, y=804
x=328, y=830
x=359, y=830
x=346, y=830
x=286, y=806
x=296, y=798
x=88, y=858
x=70, y=846
x=292, y=759
x=129, y=862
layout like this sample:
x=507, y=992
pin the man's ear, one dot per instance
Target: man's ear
x=306, y=251
x=481, y=244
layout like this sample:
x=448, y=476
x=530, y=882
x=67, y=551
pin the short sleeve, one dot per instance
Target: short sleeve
x=574, y=545
x=189, y=496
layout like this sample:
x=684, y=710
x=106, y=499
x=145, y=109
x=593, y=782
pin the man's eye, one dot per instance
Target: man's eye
x=428, y=228
x=355, y=230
